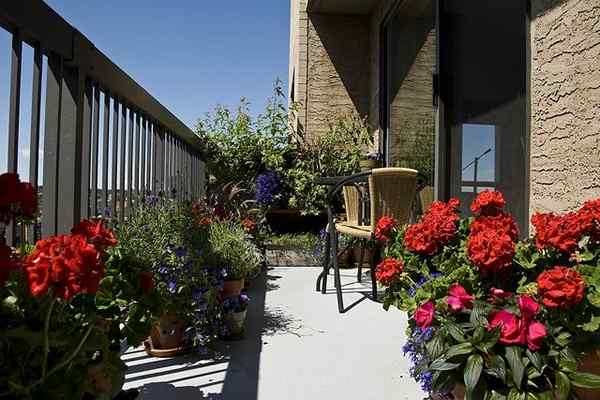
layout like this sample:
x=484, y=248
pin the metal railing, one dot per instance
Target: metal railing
x=141, y=148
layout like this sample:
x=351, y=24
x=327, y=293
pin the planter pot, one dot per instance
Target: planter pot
x=232, y=288
x=366, y=256
x=167, y=332
x=459, y=392
x=234, y=322
x=590, y=364
x=367, y=165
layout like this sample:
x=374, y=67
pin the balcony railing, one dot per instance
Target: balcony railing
x=90, y=167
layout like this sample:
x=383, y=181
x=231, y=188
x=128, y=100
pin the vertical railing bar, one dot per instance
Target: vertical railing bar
x=115, y=158
x=130, y=161
x=86, y=148
x=105, y=144
x=13, y=117
x=34, y=141
x=122, y=162
x=95, y=155
x=51, y=145
x=161, y=159
x=138, y=123
x=155, y=188
x=143, y=162
x=168, y=178
x=150, y=147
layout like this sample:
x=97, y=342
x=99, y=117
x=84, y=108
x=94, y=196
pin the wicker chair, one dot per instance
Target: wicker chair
x=426, y=197
x=391, y=193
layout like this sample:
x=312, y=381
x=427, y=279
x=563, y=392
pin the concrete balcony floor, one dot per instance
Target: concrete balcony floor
x=296, y=347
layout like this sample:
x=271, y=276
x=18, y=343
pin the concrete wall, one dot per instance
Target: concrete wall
x=565, y=104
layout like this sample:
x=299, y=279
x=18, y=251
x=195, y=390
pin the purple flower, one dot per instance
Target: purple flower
x=172, y=287
x=180, y=251
x=197, y=294
x=267, y=187
x=151, y=200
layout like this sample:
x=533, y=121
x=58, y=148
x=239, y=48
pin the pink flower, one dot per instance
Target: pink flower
x=512, y=330
x=424, y=315
x=536, y=333
x=529, y=308
x=500, y=293
x=458, y=298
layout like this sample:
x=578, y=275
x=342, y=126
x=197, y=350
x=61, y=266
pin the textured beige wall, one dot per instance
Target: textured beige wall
x=565, y=104
x=337, y=68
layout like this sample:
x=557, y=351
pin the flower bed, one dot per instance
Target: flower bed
x=68, y=303
x=494, y=317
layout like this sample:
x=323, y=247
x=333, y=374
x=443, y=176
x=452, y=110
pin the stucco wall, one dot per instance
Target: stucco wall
x=337, y=68
x=565, y=104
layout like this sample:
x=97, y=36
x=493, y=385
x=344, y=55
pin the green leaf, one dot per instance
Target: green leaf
x=563, y=339
x=514, y=394
x=536, y=359
x=513, y=357
x=585, y=380
x=493, y=395
x=497, y=367
x=435, y=347
x=478, y=335
x=567, y=360
x=441, y=365
x=472, y=372
x=459, y=349
x=455, y=331
x=490, y=340
x=563, y=385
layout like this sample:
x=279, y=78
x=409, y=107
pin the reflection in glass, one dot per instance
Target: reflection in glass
x=478, y=156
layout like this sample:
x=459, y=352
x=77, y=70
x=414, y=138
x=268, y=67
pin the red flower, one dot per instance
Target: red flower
x=512, y=331
x=560, y=287
x=384, y=228
x=68, y=264
x=501, y=222
x=95, y=232
x=249, y=225
x=146, y=282
x=387, y=270
x=221, y=213
x=17, y=199
x=436, y=228
x=425, y=314
x=204, y=221
x=589, y=215
x=562, y=232
x=491, y=251
x=458, y=298
x=7, y=263
x=488, y=203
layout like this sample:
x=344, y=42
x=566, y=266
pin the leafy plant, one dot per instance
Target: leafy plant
x=233, y=251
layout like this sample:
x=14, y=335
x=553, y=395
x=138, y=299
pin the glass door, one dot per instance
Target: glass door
x=483, y=67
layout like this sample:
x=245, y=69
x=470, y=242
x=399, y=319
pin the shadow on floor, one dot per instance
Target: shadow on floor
x=234, y=366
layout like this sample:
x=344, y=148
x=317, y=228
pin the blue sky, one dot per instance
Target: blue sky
x=189, y=54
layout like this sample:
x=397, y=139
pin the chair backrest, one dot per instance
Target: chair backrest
x=352, y=204
x=392, y=192
x=426, y=197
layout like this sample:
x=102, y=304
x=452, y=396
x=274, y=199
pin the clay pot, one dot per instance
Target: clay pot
x=459, y=391
x=366, y=256
x=167, y=332
x=234, y=322
x=232, y=288
x=590, y=364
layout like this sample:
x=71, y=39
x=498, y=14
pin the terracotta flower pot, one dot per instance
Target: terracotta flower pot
x=234, y=322
x=232, y=288
x=459, y=391
x=167, y=332
x=590, y=364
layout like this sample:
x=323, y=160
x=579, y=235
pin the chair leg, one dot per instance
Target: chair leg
x=326, y=264
x=374, y=257
x=336, y=269
x=361, y=257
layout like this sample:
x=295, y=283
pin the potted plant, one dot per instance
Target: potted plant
x=370, y=161
x=493, y=317
x=234, y=314
x=235, y=253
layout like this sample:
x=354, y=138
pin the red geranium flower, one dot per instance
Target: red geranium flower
x=7, y=263
x=491, y=251
x=425, y=314
x=563, y=232
x=68, y=264
x=488, y=203
x=17, y=199
x=561, y=287
x=249, y=225
x=387, y=270
x=95, y=232
x=436, y=228
x=458, y=298
x=146, y=282
x=204, y=221
x=589, y=216
x=501, y=222
x=520, y=331
x=384, y=228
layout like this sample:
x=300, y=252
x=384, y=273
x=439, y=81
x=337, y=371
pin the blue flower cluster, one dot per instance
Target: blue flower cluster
x=416, y=352
x=267, y=187
x=236, y=304
x=421, y=281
